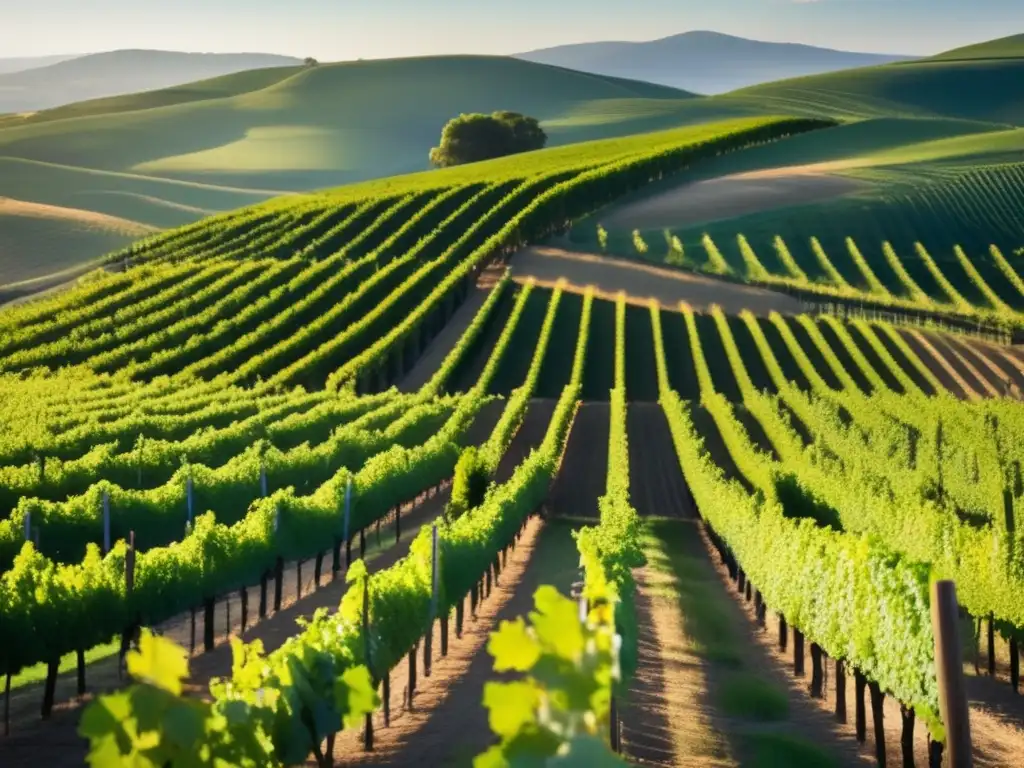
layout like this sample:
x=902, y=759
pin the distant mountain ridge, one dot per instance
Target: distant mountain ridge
x=21, y=63
x=704, y=62
x=115, y=73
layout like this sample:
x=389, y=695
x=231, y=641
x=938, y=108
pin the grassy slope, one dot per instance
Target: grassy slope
x=1011, y=47
x=337, y=123
x=989, y=90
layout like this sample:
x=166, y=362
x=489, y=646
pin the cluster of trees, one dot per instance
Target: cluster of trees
x=470, y=138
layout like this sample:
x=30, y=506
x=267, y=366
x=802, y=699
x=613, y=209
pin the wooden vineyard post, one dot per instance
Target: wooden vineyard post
x=80, y=664
x=362, y=543
x=261, y=610
x=877, y=713
x=444, y=632
x=385, y=697
x=816, y=675
x=840, y=691
x=318, y=566
x=368, y=732
x=907, y=735
x=1014, y=665
x=949, y=671
x=411, y=690
x=991, y=645
x=208, y=606
x=243, y=596
x=7, y=706
x=798, y=652
x=782, y=632
x=278, y=582
x=428, y=640
x=859, y=684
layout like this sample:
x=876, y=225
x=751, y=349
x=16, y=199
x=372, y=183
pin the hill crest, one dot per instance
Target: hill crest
x=703, y=61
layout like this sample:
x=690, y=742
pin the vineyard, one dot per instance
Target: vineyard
x=340, y=426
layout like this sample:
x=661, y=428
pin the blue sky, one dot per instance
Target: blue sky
x=348, y=29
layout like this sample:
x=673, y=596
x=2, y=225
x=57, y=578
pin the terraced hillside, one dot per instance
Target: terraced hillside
x=223, y=414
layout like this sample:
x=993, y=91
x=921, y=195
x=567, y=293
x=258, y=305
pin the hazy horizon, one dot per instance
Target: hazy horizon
x=324, y=29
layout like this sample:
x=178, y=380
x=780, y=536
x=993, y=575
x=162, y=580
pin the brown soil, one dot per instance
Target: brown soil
x=581, y=480
x=675, y=716
x=442, y=344
x=448, y=725
x=11, y=207
x=643, y=282
x=937, y=364
x=656, y=484
x=1000, y=376
x=1011, y=365
x=967, y=369
x=729, y=196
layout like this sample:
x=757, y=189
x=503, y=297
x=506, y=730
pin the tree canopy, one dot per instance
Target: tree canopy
x=470, y=138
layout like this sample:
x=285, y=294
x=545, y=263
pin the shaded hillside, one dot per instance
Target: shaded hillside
x=117, y=72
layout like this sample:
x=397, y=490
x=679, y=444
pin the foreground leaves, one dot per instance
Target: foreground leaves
x=558, y=715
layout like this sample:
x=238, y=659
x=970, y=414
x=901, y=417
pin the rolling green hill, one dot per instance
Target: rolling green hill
x=334, y=123
x=1011, y=47
x=164, y=157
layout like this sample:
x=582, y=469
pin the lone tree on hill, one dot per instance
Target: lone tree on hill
x=309, y=61
x=474, y=137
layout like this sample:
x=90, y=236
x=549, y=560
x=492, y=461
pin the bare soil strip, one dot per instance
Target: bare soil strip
x=449, y=725
x=938, y=365
x=1003, y=357
x=978, y=380
x=730, y=196
x=642, y=282
x=443, y=343
x=697, y=653
x=11, y=207
x=993, y=370
x=582, y=479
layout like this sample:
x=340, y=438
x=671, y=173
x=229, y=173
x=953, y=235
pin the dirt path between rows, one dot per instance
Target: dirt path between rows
x=448, y=724
x=437, y=350
x=937, y=364
x=581, y=480
x=701, y=674
x=642, y=282
x=729, y=196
